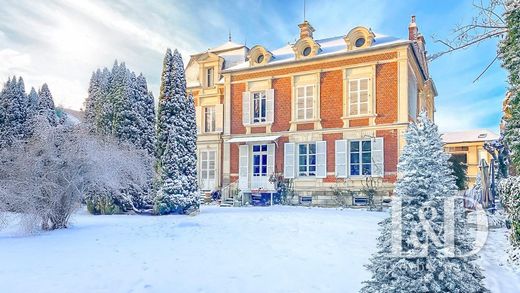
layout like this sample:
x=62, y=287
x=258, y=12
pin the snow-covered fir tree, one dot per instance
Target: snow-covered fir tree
x=33, y=100
x=423, y=264
x=46, y=105
x=14, y=124
x=146, y=110
x=176, y=141
x=509, y=52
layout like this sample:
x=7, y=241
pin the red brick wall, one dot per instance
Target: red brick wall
x=331, y=99
x=358, y=122
x=234, y=156
x=331, y=153
x=391, y=153
x=260, y=129
x=282, y=104
x=386, y=93
x=305, y=126
x=279, y=155
x=237, y=127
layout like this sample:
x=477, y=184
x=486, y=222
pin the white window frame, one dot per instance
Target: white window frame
x=211, y=127
x=261, y=153
x=210, y=76
x=305, y=103
x=307, y=173
x=262, y=97
x=360, y=153
x=358, y=93
x=205, y=163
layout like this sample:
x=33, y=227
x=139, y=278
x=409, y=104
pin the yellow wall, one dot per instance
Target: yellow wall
x=472, y=155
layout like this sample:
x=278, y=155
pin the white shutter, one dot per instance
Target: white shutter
x=219, y=115
x=243, y=167
x=321, y=159
x=246, y=108
x=341, y=158
x=198, y=116
x=270, y=159
x=378, y=161
x=270, y=105
x=289, y=160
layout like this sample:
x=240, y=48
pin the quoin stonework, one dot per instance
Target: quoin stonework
x=319, y=112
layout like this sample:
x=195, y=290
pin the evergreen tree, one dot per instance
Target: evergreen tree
x=459, y=170
x=14, y=124
x=176, y=148
x=46, y=105
x=425, y=182
x=33, y=100
x=146, y=109
x=509, y=52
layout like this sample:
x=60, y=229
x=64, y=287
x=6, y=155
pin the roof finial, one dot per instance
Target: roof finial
x=229, y=35
x=304, y=18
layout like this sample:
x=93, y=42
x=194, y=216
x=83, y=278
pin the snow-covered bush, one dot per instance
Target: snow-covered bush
x=45, y=178
x=509, y=190
x=415, y=251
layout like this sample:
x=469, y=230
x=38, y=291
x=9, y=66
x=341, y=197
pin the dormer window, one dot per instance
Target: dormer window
x=258, y=55
x=359, y=38
x=305, y=48
x=210, y=76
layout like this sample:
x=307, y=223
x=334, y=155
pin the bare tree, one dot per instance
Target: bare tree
x=488, y=23
x=45, y=178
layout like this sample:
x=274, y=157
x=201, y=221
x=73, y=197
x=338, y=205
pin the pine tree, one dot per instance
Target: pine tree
x=33, y=100
x=14, y=124
x=46, y=105
x=424, y=184
x=92, y=100
x=176, y=138
x=146, y=110
x=509, y=52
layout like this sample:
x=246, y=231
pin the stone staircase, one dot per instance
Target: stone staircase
x=227, y=195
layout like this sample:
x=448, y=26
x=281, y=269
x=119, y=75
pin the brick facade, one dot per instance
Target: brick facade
x=331, y=99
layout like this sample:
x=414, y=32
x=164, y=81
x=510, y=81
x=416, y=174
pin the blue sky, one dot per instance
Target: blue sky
x=62, y=41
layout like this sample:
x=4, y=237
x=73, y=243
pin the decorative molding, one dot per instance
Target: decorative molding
x=359, y=38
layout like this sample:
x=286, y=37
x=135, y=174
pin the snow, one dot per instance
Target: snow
x=257, y=249
x=328, y=47
x=469, y=136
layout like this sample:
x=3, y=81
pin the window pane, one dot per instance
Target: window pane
x=204, y=156
x=353, y=85
x=303, y=148
x=312, y=160
x=264, y=160
x=366, y=158
x=301, y=113
x=312, y=168
x=301, y=91
x=363, y=108
x=211, y=165
x=204, y=174
x=367, y=169
x=309, y=114
x=264, y=147
x=301, y=103
x=256, y=160
x=354, y=158
x=363, y=84
x=312, y=148
x=264, y=170
x=256, y=170
x=303, y=160
x=212, y=156
x=354, y=169
x=353, y=110
x=310, y=91
x=354, y=146
x=256, y=148
x=363, y=96
x=366, y=146
x=211, y=174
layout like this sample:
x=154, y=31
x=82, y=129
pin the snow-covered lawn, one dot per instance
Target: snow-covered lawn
x=278, y=249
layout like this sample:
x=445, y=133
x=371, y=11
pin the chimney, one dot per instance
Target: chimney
x=412, y=29
x=306, y=29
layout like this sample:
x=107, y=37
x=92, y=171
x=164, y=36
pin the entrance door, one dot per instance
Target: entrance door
x=207, y=169
x=262, y=166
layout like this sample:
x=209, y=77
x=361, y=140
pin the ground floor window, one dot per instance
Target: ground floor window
x=307, y=159
x=259, y=160
x=207, y=168
x=360, y=157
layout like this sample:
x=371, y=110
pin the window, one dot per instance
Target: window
x=259, y=107
x=306, y=51
x=209, y=119
x=210, y=77
x=259, y=160
x=307, y=159
x=260, y=58
x=207, y=168
x=360, y=42
x=305, y=102
x=360, y=157
x=358, y=96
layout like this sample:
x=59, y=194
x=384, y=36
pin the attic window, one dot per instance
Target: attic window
x=260, y=58
x=307, y=51
x=482, y=135
x=360, y=42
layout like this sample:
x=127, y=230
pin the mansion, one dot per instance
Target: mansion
x=320, y=112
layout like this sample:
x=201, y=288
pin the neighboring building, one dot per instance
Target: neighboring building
x=320, y=112
x=468, y=147
x=204, y=81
